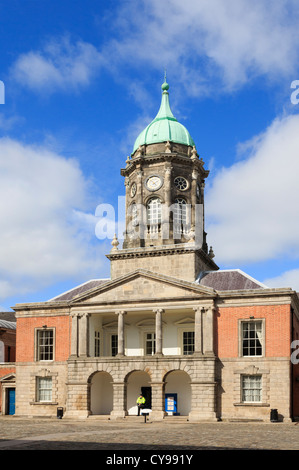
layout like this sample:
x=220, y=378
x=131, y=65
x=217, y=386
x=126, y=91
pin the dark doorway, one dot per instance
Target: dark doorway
x=147, y=393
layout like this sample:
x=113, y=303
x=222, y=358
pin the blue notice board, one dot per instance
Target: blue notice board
x=171, y=402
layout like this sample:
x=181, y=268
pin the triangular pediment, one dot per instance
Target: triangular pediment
x=143, y=285
x=8, y=378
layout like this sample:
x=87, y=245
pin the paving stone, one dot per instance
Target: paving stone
x=84, y=434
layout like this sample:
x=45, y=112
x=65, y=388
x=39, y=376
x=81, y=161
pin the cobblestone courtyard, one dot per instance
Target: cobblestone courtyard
x=54, y=434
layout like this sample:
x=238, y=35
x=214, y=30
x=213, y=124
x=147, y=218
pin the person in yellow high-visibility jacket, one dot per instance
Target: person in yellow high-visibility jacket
x=140, y=403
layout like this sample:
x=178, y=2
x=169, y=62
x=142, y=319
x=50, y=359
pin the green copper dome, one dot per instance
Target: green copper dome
x=164, y=127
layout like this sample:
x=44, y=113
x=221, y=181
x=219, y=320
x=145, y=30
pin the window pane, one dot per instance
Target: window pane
x=150, y=344
x=154, y=211
x=188, y=342
x=114, y=345
x=97, y=344
x=44, y=385
x=45, y=345
x=252, y=338
x=180, y=216
x=251, y=388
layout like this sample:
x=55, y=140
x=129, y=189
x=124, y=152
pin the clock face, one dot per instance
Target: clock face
x=153, y=183
x=181, y=183
x=133, y=189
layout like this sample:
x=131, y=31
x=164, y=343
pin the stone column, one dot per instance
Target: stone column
x=121, y=332
x=74, y=335
x=119, y=400
x=159, y=333
x=158, y=398
x=84, y=335
x=198, y=331
x=208, y=330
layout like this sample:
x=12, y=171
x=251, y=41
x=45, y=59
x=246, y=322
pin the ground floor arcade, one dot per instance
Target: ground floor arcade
x=179, y=386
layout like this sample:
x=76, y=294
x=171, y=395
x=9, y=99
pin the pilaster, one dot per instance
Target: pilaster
x=119, y=400
x=158, y=398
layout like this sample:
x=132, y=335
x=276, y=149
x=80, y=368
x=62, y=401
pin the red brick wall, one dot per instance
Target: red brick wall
x=6, y=369
x=277, y=329
x=25, y=336
x=295, y=368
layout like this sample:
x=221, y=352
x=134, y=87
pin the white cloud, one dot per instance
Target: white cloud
x=196, y=41
x=235, y=40
x=41, y=239
x=286, y=279
x=252, y=206
x=59, y=65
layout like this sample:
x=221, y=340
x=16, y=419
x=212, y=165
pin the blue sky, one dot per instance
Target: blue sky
x=83, y=78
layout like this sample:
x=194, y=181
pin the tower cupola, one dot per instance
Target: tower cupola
x=165, y=127
x=164, y=179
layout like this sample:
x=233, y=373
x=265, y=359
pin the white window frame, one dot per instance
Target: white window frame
x=44, y=394
x=38, y=353
x=154, y=211
x=152, y=341
x=253, y=388
x=242, y=323
x=187, y=330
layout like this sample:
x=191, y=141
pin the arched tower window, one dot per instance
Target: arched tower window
x=180, y=217
x=154, y=214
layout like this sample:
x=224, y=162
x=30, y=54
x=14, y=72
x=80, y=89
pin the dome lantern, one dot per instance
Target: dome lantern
x=165, y=127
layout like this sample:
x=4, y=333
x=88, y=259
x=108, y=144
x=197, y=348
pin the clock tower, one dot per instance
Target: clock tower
x=164, y=180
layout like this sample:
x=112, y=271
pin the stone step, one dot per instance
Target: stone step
x=176, y=419
x=99, y=417
x=138, y=419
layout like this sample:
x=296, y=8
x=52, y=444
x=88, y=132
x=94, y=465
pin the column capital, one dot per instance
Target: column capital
x=120, y=312
x=80, y=314
x=198, y=309
x=203, y=308
x=158, y=310
x=75, y=314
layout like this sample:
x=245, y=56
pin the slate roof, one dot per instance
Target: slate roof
x=8, y=320
x=8, y=316
x=69, y=295
x=9, y=325
x=232, y=279
x=221, y=280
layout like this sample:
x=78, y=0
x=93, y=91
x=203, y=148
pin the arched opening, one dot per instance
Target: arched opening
x=101, y=394
x=177, y=393
x=138, y=382
x=181, y=217
x=154, y=215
